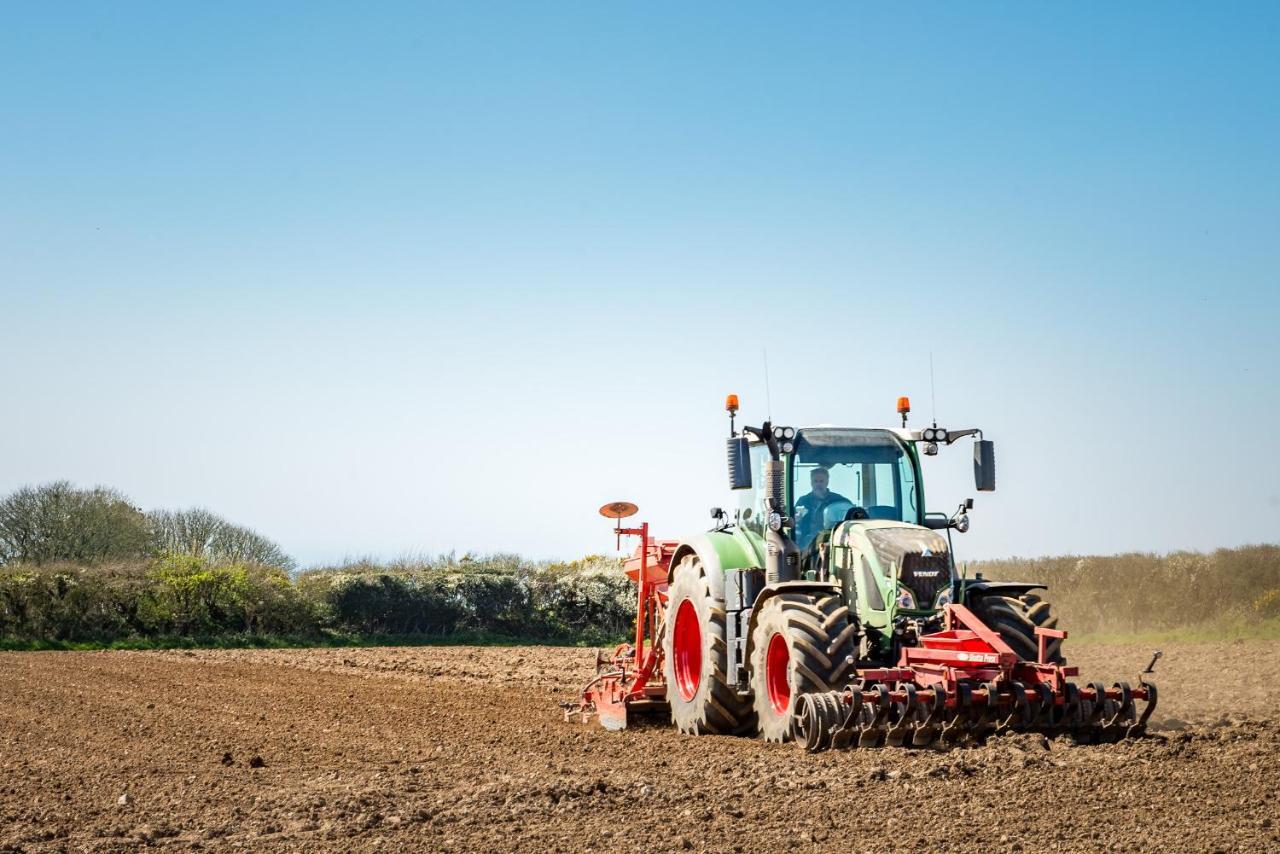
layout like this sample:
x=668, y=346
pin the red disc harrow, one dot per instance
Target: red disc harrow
x=963, y=684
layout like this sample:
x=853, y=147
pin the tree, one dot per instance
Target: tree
x=200, y=533
x=56, y=521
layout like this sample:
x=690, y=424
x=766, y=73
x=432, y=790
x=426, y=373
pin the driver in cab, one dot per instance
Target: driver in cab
x=809, y=507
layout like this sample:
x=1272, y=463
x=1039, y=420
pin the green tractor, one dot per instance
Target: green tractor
x=828, y=569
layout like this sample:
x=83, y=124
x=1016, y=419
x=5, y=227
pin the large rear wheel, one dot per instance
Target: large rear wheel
x=1016, y=619
x=802, y=643
x=695, y=658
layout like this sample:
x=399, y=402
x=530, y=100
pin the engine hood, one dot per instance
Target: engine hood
x=916, y=556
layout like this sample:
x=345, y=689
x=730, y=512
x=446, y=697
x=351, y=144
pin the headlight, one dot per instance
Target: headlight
x=928, y=434
x=940, y=435
x=788, y=447
x=788, y=433
x=906, y=600
x=944, y=598
x=775, y=522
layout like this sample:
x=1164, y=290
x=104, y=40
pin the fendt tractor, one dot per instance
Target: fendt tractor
x=828, y=609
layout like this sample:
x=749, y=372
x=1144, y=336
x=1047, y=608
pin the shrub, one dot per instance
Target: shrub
x=586, y=601
x=1267, y=606
x=64, y=602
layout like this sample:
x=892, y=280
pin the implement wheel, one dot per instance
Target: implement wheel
x=1016, y=619
x=801, y=645
x=695, y=659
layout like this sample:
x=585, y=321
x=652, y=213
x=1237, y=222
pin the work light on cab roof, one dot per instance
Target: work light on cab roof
x=827, y=609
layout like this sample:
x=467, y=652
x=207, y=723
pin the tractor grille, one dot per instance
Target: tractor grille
x=924, y=565
x=925, y=576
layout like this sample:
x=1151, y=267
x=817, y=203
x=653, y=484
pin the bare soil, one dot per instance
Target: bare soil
x=464, y=749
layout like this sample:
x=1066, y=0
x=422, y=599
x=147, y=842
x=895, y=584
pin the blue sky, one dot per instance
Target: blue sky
x=407, y=278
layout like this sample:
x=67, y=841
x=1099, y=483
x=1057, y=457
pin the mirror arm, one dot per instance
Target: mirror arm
x=765, y=434
x=953, y=435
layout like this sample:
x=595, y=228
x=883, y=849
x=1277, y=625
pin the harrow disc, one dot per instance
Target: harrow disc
x=911, y=715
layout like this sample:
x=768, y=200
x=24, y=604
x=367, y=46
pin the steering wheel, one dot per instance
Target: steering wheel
x=855, y=513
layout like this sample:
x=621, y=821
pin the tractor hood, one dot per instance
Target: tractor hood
x=916, y=556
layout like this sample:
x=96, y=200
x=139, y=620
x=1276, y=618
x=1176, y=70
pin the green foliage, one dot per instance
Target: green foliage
x=180, y=599
x=191, y=597
x=66, y=602
x=181, y=596
x=589, y=601
x=176, y=596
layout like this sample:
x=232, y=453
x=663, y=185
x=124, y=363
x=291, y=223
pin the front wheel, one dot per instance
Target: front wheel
x=802, y=643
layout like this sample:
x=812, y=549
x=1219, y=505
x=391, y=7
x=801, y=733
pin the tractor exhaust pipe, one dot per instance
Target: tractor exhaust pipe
x=781, y=555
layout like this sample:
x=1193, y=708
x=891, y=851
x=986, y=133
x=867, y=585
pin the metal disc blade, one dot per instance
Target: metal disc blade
x=619, y=510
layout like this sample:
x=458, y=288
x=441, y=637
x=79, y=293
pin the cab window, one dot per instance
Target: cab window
x=843, y=473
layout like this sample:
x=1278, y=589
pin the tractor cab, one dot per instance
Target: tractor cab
x=835, y=474
x=850, y=509
x=843, y=474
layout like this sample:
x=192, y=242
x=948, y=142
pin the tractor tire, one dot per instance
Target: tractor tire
x=1016, y=619
x=802, y=643
x=695, y=659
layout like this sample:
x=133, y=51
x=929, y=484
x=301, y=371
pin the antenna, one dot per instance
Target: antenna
x=768, y=400
x=933, y=391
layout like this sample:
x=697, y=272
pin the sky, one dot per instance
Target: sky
x=381, y=280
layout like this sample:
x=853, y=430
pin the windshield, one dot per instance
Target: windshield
x=842, y=473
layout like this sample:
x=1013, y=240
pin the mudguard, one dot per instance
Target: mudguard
x=718, y=551
x=1002, y=588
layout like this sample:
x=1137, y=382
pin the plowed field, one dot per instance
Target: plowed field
x=463, y=749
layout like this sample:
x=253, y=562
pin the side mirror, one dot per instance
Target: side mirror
x=984, y=465
x=739, y=463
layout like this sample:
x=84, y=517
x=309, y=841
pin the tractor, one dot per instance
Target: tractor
x=828, y=609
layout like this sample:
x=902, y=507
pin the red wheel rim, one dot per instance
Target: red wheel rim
x=777, y=673
x=688, y=650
